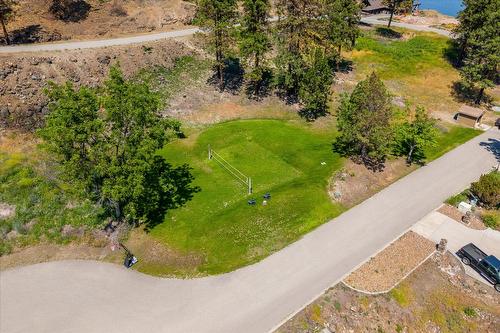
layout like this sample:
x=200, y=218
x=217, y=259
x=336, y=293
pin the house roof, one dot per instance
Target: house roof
x=374, y=5
x=471, y=111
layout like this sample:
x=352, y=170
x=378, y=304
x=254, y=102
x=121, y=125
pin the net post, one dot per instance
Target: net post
x=249, y=185
x=209, y=152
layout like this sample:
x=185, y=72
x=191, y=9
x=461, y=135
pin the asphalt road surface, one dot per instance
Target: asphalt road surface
x=87, y=296
x=74, y=45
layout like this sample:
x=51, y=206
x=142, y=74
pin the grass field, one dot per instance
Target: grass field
x=450, y=138
x=283, y=159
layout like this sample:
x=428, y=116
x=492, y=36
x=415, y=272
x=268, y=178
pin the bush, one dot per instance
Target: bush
x=491, y=220
x=470, y=312
x=488, y=189
x=456, y=199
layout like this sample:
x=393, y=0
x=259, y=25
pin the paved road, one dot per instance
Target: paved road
x=86, y=296
x=74, y=45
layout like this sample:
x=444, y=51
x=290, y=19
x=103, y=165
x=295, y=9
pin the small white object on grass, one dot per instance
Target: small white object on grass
x=323, y=163
x=264, y=203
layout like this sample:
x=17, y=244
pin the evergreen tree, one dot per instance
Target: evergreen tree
x=254, y=36
x=219, y=18
x=398, y=6
x=363, y=120
x=315, y=85
x=478, y=36
x=299, y=30
x=343, y=18
x=107, y=141
x=414, y=134
x=6, y=13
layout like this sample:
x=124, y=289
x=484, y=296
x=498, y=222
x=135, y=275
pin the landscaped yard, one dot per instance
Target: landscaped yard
x=290, y=161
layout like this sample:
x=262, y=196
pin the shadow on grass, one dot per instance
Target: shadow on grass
x=388, y=33
x=233, y=77
x=464, y=93
x=257, y=90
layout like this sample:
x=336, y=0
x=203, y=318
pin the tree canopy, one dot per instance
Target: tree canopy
x=364, y=121
x=6, y=13
x=107, y=141
x=479, y=41
x=413, y=134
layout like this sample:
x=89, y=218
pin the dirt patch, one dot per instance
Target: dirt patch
x=34, y=23
x=455, y=214
x=6, y=210
x=23, y=76
x=436, y=297
x=156, y=259
x=355, y=183
x=391, y=265
x=51, y=252
x=429, y=17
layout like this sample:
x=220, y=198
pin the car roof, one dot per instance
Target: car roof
x=493, y=261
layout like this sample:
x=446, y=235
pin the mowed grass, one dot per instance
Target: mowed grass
x=282, y=158
x=448, y=139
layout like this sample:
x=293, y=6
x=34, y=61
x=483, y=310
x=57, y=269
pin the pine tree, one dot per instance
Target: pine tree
x=397, y=6
x=299, y=30
x=254, y=37
x=363, y=120
x=479, y=40
x=218, y=17
x=342, y=24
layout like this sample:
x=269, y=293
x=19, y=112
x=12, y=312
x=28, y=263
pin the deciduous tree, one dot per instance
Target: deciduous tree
x=107, y=141
x=414, y=134
x=363, y=120
x=488, y=189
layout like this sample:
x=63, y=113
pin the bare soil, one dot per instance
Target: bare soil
x=22, y=101
x=34, y=22
x=436, y=297
x=355, y=182
x=392, y=264
x=429, y=17
x=456, y=215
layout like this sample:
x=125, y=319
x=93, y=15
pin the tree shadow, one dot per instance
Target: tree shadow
x=464, y=93
x=452, y=53
x=312, y=115
x=346, y=150
x=388, y=33
x=233, y=76
x=344, y=66
x=70, y=10
x=493, y=146
x=257, y=90
x=25, y=35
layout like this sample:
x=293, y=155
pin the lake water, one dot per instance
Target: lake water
x=448, y=7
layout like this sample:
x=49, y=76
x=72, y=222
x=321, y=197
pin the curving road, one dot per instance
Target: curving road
x=86, y=296
x=74, y=45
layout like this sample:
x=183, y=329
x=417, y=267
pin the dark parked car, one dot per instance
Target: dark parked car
x=487, y=266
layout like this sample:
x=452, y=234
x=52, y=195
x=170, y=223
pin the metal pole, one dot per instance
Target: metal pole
x=209, y=152
x=249, y=185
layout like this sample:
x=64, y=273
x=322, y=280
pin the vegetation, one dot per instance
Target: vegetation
x=487, y=189
x=458, y=198
x=218, y=17
x=402, y=294
x=491, y=219
x=363, y=120
x=44, y=204
x=343, y=18
x=479, y=43
x=218, y=223
x=254, y=38
x=414, y=134
x=69, y=10
x=106, y=141
x=397, y=6
x=6, y=13
x=448, y=139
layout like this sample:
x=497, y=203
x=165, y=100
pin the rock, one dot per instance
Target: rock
x=28, y=226
x=442, y=245
x=6, y=210
x=104, y=59
x=12, y=235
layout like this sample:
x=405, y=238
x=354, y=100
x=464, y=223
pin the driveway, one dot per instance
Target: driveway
x=90, y=44
x=86, y=296
x=436, y=226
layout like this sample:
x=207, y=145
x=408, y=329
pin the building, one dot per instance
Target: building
x=374, y=7
x=470, y=116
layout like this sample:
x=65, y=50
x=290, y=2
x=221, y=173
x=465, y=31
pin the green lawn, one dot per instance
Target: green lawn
x=283, y=159
x=450, y=138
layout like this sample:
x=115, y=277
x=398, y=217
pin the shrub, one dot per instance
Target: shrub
x=491, y=220
x=488, y=189
x=470, y=312
x=456, y=199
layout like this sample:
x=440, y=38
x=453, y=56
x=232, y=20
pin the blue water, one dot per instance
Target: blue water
x=447, y=7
